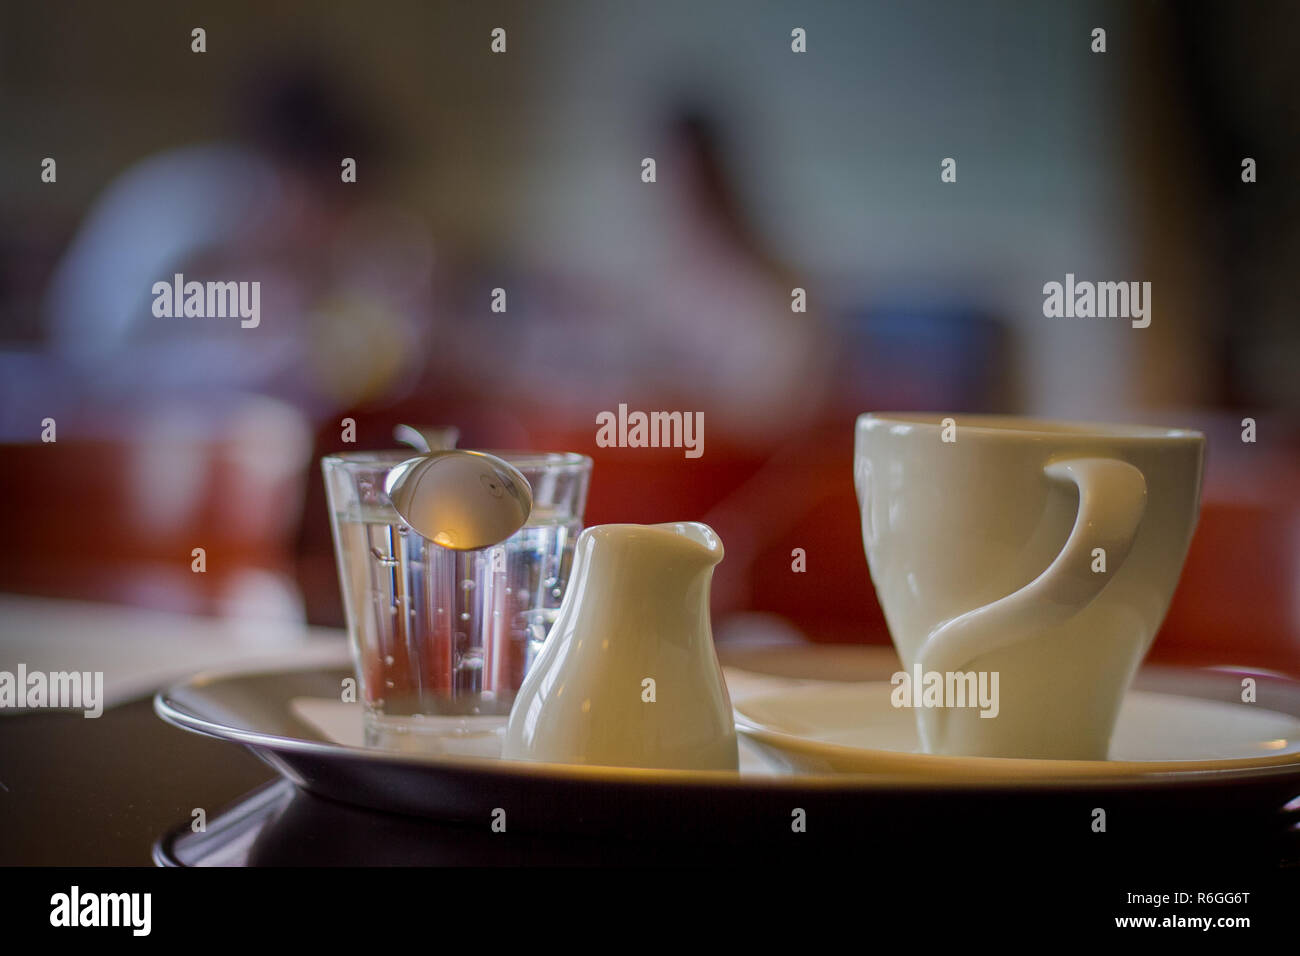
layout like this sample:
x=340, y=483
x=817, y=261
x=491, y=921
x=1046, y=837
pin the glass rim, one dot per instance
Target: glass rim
x=548, y=461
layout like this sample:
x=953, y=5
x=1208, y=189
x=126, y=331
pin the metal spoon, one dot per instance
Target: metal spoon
x=463, y=500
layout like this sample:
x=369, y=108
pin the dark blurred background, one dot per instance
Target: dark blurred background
x=522, y=171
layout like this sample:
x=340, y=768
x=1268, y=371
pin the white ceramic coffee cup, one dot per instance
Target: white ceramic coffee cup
x=1043, y=552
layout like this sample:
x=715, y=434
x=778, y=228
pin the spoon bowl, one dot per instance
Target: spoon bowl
x=458, y=499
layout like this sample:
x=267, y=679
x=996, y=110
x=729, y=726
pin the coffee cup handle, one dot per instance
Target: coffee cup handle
x=1112, y=500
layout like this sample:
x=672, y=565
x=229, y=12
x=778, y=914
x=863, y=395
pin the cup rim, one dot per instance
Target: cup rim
x=1010, y=427
x=550, y=461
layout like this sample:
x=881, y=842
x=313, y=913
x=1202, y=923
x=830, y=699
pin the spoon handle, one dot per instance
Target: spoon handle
x=427, y=438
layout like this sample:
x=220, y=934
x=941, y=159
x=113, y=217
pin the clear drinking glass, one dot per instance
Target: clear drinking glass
x=441, y=639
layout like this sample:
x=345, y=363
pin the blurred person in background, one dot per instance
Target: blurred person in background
x=345, y=280
x=717, y=314
x=184, y=432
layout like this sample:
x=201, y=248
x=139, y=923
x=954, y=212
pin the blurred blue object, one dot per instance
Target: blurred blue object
x=925, y=356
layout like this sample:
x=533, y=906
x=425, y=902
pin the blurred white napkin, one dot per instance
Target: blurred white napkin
x=141, y=651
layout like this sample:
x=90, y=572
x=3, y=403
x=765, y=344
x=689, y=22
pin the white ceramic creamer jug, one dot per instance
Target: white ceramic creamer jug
x=629, y=676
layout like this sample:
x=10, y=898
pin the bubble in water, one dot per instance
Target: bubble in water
x=467, y=585
x=555, y=592
x=389, y=683
x=464, y=615
x=552, y=581
x=470, y=661
x=388, y=659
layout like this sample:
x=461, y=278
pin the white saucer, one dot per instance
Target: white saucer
x=853, y=728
